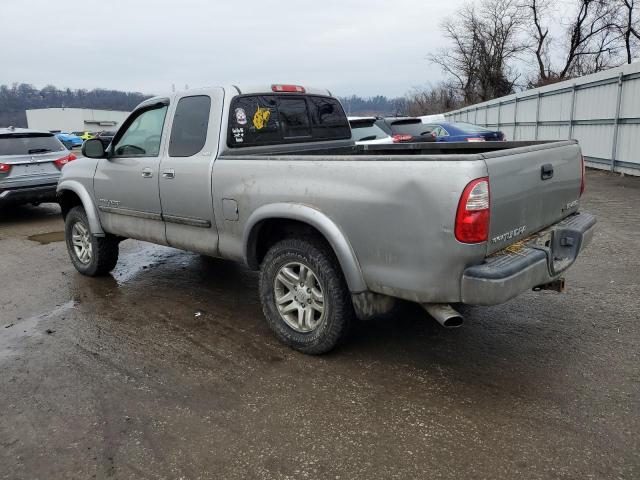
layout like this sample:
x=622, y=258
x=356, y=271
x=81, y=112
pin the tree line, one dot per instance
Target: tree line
x=498, y=47
x=17, y=98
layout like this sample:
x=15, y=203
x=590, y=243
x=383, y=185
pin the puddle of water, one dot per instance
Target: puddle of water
x=45, y=238
x=13, y=332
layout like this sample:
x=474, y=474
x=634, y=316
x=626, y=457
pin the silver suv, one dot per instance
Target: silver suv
x=30, y=164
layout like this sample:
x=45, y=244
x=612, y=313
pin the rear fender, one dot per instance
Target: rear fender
x=331, y=232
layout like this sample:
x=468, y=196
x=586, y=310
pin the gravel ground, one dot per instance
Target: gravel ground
x=166, y=369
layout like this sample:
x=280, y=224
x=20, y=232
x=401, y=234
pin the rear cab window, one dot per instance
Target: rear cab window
x=29, y=144
x=271, y=119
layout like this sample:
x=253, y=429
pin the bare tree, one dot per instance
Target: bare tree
x=628, y=26
x=591, y=42
x=486, y=41
x=437, y=99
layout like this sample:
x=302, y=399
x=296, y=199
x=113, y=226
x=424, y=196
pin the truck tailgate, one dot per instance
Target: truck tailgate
x=531, y=188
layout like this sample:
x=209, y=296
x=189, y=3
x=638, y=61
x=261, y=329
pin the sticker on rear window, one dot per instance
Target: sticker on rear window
x=241, y=116
x=261, y=118
x=238, y=134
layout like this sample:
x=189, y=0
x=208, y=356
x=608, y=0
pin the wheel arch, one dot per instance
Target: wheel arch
x=279, y=215
x=71, y=193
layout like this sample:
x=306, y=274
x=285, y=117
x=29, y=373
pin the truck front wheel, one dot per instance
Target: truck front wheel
x=304, y=296
x=92, y=256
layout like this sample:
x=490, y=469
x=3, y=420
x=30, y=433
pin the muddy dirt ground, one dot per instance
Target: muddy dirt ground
x=166, y=369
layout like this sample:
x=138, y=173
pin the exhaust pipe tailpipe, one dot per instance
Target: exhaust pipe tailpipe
x=444, y=314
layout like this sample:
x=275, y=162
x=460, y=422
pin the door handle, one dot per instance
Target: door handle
x=169, y=173
x=147, y=173
x=546, y=171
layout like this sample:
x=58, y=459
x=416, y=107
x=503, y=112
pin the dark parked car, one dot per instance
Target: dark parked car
x=406, y=129
x=463, y=132
x=105, y=137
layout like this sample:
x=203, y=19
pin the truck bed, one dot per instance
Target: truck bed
x=396, y=149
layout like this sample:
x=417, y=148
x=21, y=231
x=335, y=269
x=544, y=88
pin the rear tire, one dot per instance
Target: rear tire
x=304, y=295
x=92, y=256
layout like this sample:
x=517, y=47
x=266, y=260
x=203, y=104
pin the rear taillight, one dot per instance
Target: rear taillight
x=475, y=139
x=287, y=88
x=4, y=167
x=61, y=162
x=582, y=183
x=472, y=217
x=402, y=138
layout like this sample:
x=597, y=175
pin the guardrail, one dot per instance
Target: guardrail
x=601, y=111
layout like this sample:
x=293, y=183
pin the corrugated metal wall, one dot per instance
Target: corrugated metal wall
x=601, y=111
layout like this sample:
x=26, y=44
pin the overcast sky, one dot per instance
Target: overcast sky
x=365, y=47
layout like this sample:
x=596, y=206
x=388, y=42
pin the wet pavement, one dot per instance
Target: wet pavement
x=166, y=369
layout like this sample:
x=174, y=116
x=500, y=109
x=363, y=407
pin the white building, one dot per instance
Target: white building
x=74, y=119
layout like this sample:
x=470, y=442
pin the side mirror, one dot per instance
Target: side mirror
x=93, y=148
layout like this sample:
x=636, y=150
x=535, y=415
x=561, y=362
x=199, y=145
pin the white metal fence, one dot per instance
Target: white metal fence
x=601, y=111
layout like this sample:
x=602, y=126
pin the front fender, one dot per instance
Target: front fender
x=311, y=216
x=87, y=202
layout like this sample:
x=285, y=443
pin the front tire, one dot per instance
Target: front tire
x=304, y=295
x=92, y=256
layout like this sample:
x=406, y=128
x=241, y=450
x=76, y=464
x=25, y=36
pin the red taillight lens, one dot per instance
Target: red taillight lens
x=582, y=180
x=472, y=217
x=475, y=139
x=61, y=162
x=402, y=138
x=4, y=167
x=287, y=88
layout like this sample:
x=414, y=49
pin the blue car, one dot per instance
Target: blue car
x=69, y=140
x=463, y=132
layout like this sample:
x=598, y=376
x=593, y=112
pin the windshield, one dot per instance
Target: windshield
x=29, y=144
x=469, y=128
x=410, y=128
x=367, y=131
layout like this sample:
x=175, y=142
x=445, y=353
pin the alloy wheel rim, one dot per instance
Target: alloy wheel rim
x=299, y=297
x=81, y=241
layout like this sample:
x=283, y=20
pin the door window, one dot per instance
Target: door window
x=142, y=136
x=190, y=124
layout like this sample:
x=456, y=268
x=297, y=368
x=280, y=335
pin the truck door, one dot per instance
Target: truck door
x=126, y=183
x=185, y=172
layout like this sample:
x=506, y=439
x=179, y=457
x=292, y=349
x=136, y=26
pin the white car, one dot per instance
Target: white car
x=437, y=118
x=365, y=131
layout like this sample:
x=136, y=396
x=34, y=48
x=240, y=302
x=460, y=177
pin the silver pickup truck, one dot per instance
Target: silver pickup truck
x=269, y=176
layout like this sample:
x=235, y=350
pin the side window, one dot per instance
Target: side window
x=142, y=136
x=190, y=124
x=443, y=132
x=329, y=119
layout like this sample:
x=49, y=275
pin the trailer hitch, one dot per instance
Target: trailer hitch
x=557, y=286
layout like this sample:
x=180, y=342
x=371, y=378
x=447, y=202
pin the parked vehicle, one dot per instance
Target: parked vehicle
x=30, y=164
x=435, y=118
x=405, y=129
x=464, y=132
x=269, y=176
x=83, y=135
x=69, y=140
x=105, y=137
x=365, y=131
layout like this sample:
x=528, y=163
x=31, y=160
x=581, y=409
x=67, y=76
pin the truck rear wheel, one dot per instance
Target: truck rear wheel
x=304, y=296
x=91, y=255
